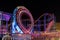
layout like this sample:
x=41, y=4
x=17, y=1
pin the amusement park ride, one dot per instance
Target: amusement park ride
x=22, y=23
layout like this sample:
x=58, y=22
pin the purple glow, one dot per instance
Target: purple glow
x=6, y=17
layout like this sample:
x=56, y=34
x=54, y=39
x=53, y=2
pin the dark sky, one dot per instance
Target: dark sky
x=36, y=7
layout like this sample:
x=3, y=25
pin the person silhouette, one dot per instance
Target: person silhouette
x=7, y=37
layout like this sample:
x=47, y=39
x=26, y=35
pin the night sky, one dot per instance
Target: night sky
x=36, y=7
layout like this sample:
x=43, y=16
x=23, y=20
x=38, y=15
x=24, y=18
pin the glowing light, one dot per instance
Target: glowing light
x=15, y=27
